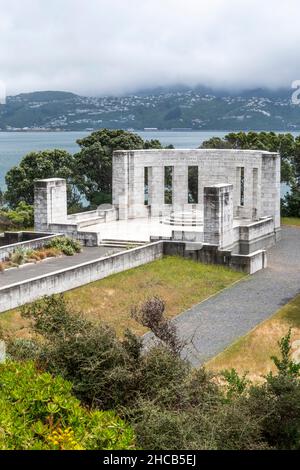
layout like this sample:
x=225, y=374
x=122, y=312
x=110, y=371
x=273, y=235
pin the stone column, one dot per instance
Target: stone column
x=157, y=190
x=218, y=215
x=120, y=183
x=50, y=203
x=180, y=187
x=270, y=205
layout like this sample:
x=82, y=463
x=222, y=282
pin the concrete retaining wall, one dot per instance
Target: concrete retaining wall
x=211, y=254
x=60, y=281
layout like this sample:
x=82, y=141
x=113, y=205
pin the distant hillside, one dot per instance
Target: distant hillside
x=46, y=96
x=175, y=108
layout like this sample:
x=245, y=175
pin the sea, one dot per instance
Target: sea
x=15, y=145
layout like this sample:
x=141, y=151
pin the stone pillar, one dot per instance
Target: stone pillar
x=120, y=183
x=50, y=203
x=218, y=215
x=270, y=205
x=180, y=187
x=157, y=191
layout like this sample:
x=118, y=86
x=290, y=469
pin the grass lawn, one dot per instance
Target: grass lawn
x=180, y=282
x=252, y=352
x=294, y=221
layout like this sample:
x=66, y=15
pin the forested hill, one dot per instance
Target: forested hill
x=181, y=108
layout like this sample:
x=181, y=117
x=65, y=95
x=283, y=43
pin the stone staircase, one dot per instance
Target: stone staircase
x=124, y=244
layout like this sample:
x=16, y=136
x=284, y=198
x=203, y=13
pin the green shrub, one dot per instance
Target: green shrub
x=21, y=217
x=169, y=405
x=18, y=256
x=65, y=245
x=277, y=402
x=38, y=411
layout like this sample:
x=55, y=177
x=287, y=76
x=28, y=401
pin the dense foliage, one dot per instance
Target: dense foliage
x=39, y=165
x=290, y=205
x=169, y=405
x=20, y=217
x=66, y=245
x=38, y=412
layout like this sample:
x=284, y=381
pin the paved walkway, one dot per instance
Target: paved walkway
x=215, y=323
x=25, y=272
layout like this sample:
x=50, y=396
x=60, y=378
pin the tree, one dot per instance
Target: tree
x=39, y=165
x=290, y=204
x=93, y=164
x=20, y=217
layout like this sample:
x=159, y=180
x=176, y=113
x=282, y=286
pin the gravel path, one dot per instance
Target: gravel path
x=214, y=324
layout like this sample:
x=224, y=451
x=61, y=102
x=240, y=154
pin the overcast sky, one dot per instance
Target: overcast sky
x=116, y=46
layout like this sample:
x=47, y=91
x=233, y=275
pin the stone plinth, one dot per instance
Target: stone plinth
x=218, y=215
x=50, y=202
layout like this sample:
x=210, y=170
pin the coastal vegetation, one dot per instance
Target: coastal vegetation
x=21, y=217
x=165, y=404
x=39, y=412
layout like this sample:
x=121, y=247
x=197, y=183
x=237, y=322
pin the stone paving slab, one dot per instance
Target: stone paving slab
x=214, y=324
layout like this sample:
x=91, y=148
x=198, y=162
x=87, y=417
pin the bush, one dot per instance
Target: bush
x=38, y=411
x=103, y=369
x=18, y=257
x=65, y=245
x=21, y=217
x=277, y=402
x=168, y=405
x=22, y=255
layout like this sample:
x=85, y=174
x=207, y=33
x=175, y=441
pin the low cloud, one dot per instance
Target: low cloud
x=117, y=46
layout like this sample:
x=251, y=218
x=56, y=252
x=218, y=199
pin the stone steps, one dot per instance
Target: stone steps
x=121, y=243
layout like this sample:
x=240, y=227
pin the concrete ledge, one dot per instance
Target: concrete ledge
x=251, y=263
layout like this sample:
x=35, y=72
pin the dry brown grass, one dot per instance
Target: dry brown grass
x=252, y=353
x=181, y=283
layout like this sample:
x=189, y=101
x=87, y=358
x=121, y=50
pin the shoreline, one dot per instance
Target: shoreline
x=43, y=131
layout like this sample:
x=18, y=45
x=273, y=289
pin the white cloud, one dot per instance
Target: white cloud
x=116, y=46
